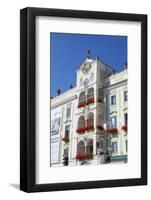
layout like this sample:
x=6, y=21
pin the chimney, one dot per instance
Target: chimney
x=71, y=86
x=88, y=54
x=125, y=65
x=58, y=92
x=114, y=72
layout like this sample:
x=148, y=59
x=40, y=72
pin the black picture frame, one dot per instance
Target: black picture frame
x=28, y=99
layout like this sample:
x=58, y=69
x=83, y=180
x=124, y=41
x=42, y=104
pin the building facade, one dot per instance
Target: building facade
x=89, y=121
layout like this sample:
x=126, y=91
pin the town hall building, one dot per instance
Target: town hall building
x=89, y=121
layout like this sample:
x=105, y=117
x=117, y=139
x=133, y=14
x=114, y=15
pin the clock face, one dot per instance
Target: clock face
x=81, y=81
x=86, y=68
x=92, y=77
x=86, y=82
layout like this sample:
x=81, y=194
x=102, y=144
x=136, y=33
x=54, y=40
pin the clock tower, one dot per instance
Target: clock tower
x=86, y=74
x=90, y=105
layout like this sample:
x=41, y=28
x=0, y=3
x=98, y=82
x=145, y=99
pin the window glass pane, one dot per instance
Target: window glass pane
x=114, y=147
x=90, y=94
x=81, y=122
x=90, y=119
x=125, y=96
x=113, y=100
x=67, y=131
x=82, y=97
x=126, y=145
x=125, y=118
x=113, y=122
x=68, y=114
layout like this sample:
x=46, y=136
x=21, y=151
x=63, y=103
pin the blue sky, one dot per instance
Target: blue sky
x=68, y=51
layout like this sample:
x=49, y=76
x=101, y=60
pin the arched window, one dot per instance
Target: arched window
x=80, y=148
x=81, y=125
x=85, y=152
x=89, y=148
x=80, y=151
x=81, y=122
x=90, y=93
x=90, y=119
x=82, y=99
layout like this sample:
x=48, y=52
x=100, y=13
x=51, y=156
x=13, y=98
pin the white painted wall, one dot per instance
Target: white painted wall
x=9, y=99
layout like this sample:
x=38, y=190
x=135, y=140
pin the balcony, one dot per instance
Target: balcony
x=87, y=102
x=84, y=129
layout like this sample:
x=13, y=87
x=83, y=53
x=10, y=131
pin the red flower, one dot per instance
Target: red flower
x=89, y=101
x=84, y=156
x=100, y=127
x=112, y=130
x=82, y=104
x=80, y=130
x=89, y=127
x=124, y=128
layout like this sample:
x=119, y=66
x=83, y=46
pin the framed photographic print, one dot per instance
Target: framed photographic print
x=83, y=99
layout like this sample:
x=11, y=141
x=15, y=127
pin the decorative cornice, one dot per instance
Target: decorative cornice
x=63, y=102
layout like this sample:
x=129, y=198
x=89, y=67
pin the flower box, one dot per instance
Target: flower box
x=89, y=101
x=82, y=104
x=89, y=127
x=81, y=157
x=112, y=130
x=81, y=130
